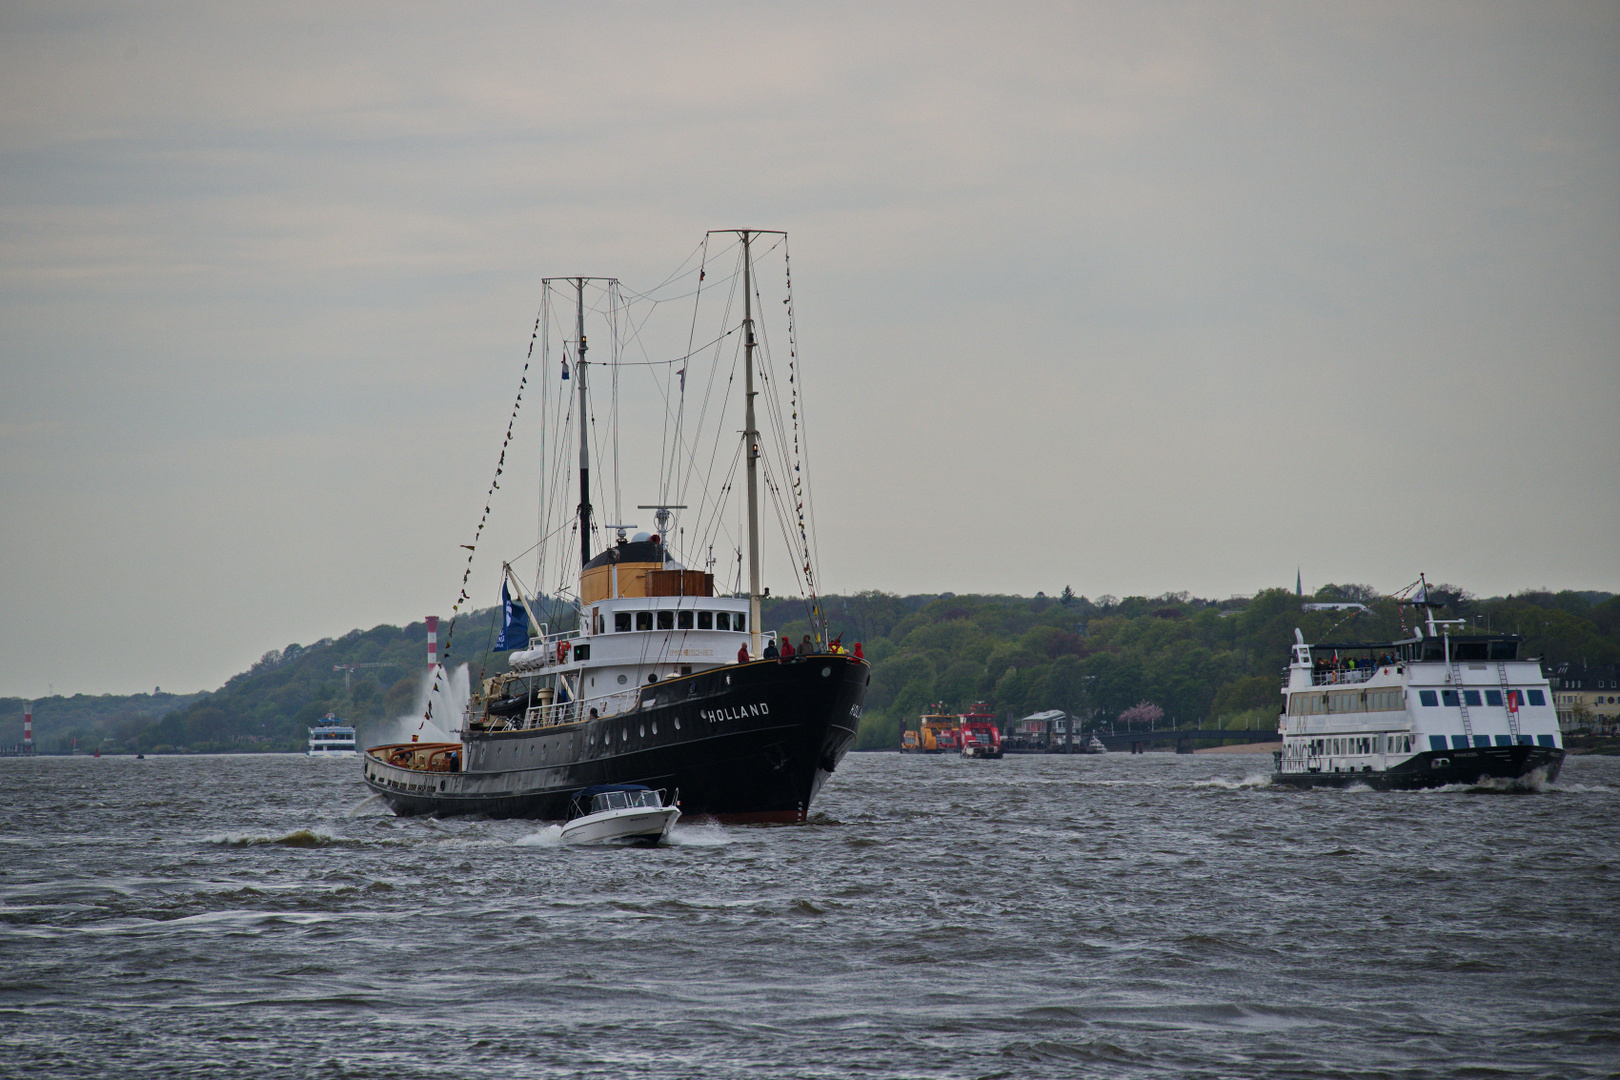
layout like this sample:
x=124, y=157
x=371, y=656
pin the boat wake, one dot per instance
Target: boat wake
x=548, y=837
x=1248, y=783
x=704, y=835
x=298, y=838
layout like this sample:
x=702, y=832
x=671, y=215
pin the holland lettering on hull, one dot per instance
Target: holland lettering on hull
x=717, y=716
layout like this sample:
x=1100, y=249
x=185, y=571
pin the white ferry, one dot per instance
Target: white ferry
x=1434, y=709
x=332, y=738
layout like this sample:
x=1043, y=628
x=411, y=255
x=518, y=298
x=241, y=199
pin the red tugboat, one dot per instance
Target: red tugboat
x=981, y=738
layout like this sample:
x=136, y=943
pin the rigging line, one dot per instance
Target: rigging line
x=796, y=379
x=775, y=488
x=725, y=320
x=703, y=496
x=666, y=478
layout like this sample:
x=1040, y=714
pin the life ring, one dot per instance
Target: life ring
x=562, y=651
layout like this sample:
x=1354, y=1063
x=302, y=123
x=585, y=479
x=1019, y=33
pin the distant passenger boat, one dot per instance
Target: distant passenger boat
x=332, y=738
x=1426, y=711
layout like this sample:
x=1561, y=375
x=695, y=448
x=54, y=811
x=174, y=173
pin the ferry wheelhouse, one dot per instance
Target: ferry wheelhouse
x=1435, y=709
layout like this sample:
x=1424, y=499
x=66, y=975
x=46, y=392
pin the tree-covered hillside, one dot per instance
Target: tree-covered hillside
x=1201, y=661
x=1205, y=662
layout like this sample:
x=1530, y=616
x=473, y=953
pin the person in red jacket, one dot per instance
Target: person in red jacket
x=742, y=653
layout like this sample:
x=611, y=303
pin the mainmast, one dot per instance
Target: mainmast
x=751, y=438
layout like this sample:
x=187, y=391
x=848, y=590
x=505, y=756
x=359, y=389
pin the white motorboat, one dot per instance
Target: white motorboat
x=608, y=812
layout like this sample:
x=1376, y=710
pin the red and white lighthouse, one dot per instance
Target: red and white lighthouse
x=28, y=728
x=433, y=643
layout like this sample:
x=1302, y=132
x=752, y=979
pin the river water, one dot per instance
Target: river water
x=1155, y=915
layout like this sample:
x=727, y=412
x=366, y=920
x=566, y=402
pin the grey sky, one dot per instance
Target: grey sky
x=1131, y=298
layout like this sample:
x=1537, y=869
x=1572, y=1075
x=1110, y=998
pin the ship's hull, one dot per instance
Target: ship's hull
x=745, y=742
x=1441, y=768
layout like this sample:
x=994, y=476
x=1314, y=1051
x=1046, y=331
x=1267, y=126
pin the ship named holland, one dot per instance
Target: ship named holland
x=660, y=680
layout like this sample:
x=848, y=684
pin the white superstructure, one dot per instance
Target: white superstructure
x=1432, y=709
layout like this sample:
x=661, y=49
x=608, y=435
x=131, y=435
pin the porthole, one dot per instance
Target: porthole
x=655, y=727
x=623, y=679
x=826, y=671
x=677, y=723
x=643, y=731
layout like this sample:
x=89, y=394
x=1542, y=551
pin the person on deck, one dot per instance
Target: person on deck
x=787, y=648
x=858, y=654
x=742, y=653
x=807, y=647
x=770, y=652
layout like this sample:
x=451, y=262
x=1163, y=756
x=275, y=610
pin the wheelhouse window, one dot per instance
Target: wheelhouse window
x=722, y=620
x=666, y=620
x=683, y=620
x=621, y=622
x=705, y=620
x=643, y=620
x=739, y=621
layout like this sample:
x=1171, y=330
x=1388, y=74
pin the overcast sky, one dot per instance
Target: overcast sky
x=1127, y=297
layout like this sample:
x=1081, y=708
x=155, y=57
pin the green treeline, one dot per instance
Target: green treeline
x=1203, y=662
x=1209, y=663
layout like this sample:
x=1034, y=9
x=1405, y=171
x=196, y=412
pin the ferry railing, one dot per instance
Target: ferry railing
x=1345, y=677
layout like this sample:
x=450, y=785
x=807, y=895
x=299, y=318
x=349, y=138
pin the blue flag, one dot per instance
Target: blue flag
x=515, y=628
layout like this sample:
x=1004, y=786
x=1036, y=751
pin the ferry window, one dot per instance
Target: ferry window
x=722, y=620
x=1459, y=742
x=666, y=620
x=1504, y=650
x=582, y=652
x=1482, y=740
x=705, y=620
x=1448, y=698
x=1493, y=697
x=643, y=620
x=621, y=622
x=1544, y=740
x=1504, y=740
x=1429, y=698
x=1535, y=697
x=739, y=621
x=1437, y=742
x=1472, y=697
x=683, y=620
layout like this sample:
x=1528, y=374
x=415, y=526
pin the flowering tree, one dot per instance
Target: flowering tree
x=1143, y=712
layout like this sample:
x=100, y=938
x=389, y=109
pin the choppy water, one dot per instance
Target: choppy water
x=1034, y=917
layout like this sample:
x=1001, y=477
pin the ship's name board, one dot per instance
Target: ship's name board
x=719, y=716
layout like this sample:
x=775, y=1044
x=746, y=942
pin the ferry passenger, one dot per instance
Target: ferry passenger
x=771, y=652
x=858, y=654
x=742, y=653
x=787, y=648
x=807, y=647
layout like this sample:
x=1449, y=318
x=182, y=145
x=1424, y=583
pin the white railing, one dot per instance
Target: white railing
x=1342, y=678
x=570, y=712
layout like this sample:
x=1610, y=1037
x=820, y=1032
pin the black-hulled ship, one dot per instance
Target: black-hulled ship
x=661, y=681
x=1427, y=711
